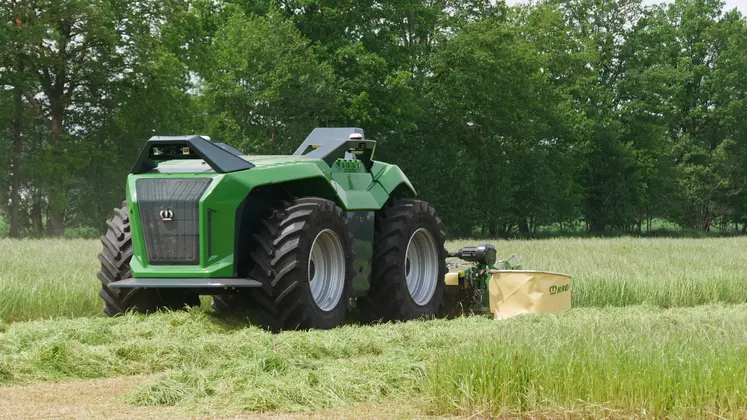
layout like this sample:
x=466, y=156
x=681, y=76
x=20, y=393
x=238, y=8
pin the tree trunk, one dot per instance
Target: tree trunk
x=15, y=181
x=533, y=225
x=523, y=225
x=596, y=227
x=705, y=222
x=492, y=229
x=508, y=227
x=56, y=215
x=36, y=214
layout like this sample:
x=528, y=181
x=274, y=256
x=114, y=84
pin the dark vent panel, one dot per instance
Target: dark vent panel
x=175, y=241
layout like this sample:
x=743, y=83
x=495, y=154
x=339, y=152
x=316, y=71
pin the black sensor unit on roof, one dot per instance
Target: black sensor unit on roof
x=158, y=149
x=330, y=144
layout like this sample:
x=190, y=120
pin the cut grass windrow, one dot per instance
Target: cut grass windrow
x=637, y=360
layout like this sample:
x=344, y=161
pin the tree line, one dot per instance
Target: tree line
x=590, y=114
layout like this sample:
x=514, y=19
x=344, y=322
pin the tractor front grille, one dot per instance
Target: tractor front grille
x=175, y=241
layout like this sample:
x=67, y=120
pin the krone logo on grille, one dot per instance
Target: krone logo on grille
x=166, y=215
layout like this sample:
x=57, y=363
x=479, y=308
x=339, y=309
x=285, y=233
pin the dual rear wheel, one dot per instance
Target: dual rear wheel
x=303, y=257
x=409, y=263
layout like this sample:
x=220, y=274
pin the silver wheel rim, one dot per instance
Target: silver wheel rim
x=326, y=270
x=421, y=266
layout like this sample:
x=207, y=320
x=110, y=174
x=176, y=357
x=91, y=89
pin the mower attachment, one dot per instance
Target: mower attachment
x=501, y=287
x=186, y=283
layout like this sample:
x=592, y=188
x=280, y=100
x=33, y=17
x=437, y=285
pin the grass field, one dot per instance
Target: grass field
x=681, y=362
x=659, y=328
x=41, y=279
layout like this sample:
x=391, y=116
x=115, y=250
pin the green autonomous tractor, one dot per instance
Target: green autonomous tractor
x=294, y=239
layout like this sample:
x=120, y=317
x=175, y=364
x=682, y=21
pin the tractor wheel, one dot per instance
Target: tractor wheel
x=409, y=263
x=304, y=259
x=115, y=265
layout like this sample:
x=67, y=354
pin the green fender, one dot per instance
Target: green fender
x=391, y=177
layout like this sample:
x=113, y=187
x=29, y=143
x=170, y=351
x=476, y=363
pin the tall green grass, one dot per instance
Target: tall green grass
x=45, y=278
x=688, y=363
x=633, y=271
x=57, y=278
x=639, y=360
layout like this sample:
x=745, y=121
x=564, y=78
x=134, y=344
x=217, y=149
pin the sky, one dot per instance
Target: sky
x=730, y=4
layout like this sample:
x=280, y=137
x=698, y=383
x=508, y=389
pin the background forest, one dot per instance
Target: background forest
x=571, y=116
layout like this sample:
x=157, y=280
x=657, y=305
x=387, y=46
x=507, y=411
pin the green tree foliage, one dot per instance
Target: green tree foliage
x=265, y=88
x=488, y=103
x=83, y=62
x=607, y=115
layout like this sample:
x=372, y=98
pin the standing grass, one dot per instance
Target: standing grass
x=687, y=363
x=48, y=278
x=633, y=271
x=57, y=278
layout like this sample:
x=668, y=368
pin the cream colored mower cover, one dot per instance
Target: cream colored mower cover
x=516, y=292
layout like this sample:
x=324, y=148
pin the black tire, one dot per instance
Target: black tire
x=389, y=298
x=115, y=265
x=281, y=262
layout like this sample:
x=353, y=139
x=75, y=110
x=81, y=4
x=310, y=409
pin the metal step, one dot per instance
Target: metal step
x=185, y=283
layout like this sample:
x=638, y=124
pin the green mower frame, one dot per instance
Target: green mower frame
x=292, y=238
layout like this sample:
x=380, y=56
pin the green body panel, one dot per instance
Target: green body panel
x=361, y=226
x=359, y=192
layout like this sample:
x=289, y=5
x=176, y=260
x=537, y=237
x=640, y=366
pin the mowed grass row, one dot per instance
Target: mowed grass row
x=633, y=361
x=57, y=278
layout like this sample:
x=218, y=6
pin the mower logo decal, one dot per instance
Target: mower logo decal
x=166, y=215
x=554, y=290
